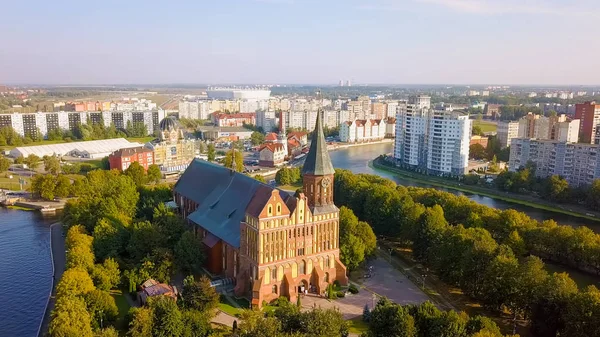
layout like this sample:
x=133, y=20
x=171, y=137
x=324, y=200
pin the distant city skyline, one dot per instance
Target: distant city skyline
x=455, y=42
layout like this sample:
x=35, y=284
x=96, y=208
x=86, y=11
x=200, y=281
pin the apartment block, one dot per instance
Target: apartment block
x=506, y=132
x=578, y=163
x=432, y=141
x=362, y=130
x=589, y=114
x=28, y=124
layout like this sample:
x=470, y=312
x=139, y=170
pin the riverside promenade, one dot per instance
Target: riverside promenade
x=57, y=249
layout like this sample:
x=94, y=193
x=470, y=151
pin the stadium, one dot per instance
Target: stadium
x=239, y=93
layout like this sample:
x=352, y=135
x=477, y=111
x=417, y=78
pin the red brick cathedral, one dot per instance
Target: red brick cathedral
x=270, y=242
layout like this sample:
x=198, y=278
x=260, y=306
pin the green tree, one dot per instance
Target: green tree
x=74, y=282
x=549, y=313
x=211, y=152
x=259, y=178
x=430, y=230
x=20, y=160
x=196, y=323
x=189, y=253
x=257, y=138
x=52, y=164
x=107, y=275
x=234, y=159
x=154, y=174
x=110, y=239
x=70, y=318
x=62, y=187
x=389, y=319
x=557, y=188
x=145, y=236
x=142, y=322
x=44, y=186
x=104, y=194
x=32, y=161
x=199, y=295
x=168, y=321
x=79, y=249
x=107, y=332
x=102, y=307
x=582, y=313
x=254, y=324
x=4, y=164
x=137, y=173
x=476, y=131
x=477, y=151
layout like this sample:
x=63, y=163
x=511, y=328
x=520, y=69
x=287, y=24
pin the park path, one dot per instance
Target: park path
x=58, y=254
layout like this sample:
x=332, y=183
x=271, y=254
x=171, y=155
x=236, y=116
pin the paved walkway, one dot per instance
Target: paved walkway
x=385, y=281
x=57, y=246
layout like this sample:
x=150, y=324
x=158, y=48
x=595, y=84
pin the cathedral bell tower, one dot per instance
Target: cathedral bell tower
x=318, y=172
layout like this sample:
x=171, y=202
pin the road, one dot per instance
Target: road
x=57, y=242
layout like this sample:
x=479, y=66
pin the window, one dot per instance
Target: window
x=274, y=274
x=327, y=265
x=274, y=289
x=302, y=267
x=278, y=209
x=270, y=210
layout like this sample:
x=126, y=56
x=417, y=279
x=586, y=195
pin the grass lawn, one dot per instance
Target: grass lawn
x=486, y=126
x=12, y=184
x=96, y=163
x=228, y=307
x=357, y=325
x=123, y=306
x=292, y=187
x=142, y=140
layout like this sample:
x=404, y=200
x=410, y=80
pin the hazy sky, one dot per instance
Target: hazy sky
x=301, y=41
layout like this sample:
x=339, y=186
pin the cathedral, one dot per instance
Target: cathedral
x=268, y=242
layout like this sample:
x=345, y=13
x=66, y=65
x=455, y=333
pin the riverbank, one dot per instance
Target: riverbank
x=494, y=194
x=341, y=146
x=58, y=256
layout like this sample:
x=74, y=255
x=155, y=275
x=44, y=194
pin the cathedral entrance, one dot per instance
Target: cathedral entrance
x=303, y=287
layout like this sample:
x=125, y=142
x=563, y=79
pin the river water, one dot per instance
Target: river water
x=25, y=271
x=26, y=267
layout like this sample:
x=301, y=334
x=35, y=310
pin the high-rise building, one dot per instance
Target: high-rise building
x=589, y=115
x=379, y=110
x=578, y=163
x=506, y=132
x=433, y=141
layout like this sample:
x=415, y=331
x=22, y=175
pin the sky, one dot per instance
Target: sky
x=301, y=42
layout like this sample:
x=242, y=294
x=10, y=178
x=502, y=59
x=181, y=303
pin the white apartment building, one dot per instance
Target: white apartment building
x=392, y=109
x=28, y=124
x=567, y=131
x=195, y=110
x=361, y=130
x=578, y=163
x=506, y=132
x=432, y=141
x=306, y=119
x=266, y=120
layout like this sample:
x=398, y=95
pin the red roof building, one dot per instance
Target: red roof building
x=121, y=159
x=152, y=288
x=271, y=154
x=301, y=136
x=237, y=119
x=271, y=137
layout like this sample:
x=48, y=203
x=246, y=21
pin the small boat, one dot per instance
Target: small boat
x=47, y=209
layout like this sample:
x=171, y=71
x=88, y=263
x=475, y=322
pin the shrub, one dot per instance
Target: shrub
x=353, y=289
x=340, y=294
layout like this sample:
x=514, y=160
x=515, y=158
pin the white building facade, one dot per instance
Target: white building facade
x=432, y=141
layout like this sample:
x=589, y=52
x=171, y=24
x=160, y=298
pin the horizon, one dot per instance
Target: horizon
x=385, y=42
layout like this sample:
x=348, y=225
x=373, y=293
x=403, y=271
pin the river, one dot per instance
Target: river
x=25, y=271
x=25, y=264
x=356, y=159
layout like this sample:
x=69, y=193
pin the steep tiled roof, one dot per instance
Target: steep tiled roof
x=222, y=195
x=130, y=151
x=271, y=136
x=297, y=134
x=293, y=142
x=272, y=147
x=361, y=122
x=317, y=161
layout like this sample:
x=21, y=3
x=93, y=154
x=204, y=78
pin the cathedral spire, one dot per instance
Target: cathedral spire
x=317, y=161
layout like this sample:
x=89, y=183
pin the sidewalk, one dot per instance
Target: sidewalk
x=57, y=250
